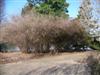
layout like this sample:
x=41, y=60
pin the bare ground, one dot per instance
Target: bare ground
x=18, y=56
x=46, y=65
x=14, y=57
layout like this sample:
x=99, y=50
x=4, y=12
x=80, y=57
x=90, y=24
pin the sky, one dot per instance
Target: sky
x=73, y=7
x=14, y=7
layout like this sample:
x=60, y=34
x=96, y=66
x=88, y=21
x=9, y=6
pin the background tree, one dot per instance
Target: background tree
x=88, y=16
x=34, y=2
x=49, y=7
x=30, y=3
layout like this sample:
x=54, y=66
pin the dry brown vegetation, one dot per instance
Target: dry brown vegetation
x=43, y=34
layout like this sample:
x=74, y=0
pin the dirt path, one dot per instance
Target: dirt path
x=18, y=56
x=41, y=64
x=14, y=57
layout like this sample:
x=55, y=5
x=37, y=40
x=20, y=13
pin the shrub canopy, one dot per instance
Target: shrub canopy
x=37, y=33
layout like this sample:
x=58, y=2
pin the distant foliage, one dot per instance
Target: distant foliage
x=47, y=7
x=34, y=2
x=89, y=17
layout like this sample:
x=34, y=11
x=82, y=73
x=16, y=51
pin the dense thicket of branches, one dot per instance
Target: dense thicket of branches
x=35, y=33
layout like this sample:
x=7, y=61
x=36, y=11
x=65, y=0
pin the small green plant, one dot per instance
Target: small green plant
x=95, y=45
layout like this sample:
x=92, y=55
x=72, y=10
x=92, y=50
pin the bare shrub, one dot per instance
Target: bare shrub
x=78, y=38
x=42, y=34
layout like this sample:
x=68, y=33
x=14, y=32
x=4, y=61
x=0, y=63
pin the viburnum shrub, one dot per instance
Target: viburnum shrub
x=43, y=34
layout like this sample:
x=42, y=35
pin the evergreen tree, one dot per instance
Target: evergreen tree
x=48, y=7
